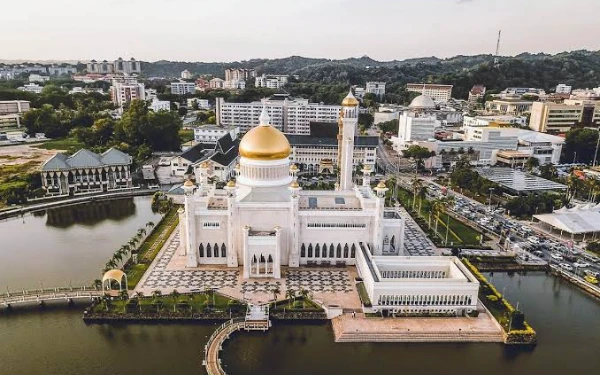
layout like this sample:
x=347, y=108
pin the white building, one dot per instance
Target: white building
x=219, y=158
x=514, y=107
x=124, y=90
x=160, y=105
x=63, y=70
x=212, y=133
x=271, y=81
x=32, y=87
x=117, y=66
x=183, y=88
x=491, y=120
x=264, y=221
x=234, y=85
x=81, y=90
x=439, y=93
x=377, y=88
x=38, y=78
x=216, y=83
x=287, y=114
x=417, y=124
x=563, y=89
x=202, y=103
x=186, y=74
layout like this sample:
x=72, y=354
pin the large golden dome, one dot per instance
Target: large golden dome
x=264, y=142
x=350, y=100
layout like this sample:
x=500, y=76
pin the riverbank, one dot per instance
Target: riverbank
x=577, y=281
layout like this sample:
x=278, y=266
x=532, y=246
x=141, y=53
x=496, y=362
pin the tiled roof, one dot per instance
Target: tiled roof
x=86, y=159
x=112, y=156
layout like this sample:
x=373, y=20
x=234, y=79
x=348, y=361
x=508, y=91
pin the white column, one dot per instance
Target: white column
x=294, y=254
x=277, y=257
x=190, y=219
x=232, y=257
x=247, y=258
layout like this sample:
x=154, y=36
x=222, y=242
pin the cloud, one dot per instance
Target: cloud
x=464, y=1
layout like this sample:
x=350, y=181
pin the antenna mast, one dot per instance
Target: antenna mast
x=497, y=56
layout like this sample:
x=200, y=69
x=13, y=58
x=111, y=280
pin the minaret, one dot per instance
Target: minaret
x=294, y=257
x=232, y=259
x=190, y=224
x=350, y=122
x=380, y=190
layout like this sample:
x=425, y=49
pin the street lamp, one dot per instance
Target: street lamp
x=491, y=190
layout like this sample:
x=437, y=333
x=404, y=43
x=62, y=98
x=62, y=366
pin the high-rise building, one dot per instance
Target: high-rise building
x=377, y=88
x=439, y=93
x=271, y=81
x=130, y=66
x=563, y=89
x=287, y=114
x=556, y=118
x=186, y=74
x=124, y=90
x=239, y=74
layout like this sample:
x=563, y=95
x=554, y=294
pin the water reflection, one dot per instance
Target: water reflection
x=90, y=214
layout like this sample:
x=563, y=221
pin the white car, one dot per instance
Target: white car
x=534, y=240
x=581, y=264
x=556, y=256
x=566, y=267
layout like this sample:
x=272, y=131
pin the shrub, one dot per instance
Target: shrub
x=492, y=298
x=297, y=304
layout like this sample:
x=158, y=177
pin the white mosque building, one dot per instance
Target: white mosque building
x=264, y=221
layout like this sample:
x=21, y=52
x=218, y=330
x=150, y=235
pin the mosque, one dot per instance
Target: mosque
x=264, y=221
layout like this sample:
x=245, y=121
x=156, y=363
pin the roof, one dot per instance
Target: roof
x=86, y=159
x=227, y=158
x=323, y=129
x=225, y=143
x=578, y=220
x=309, y=140
x=422, y=102
x=197, y=152
x=518, y=181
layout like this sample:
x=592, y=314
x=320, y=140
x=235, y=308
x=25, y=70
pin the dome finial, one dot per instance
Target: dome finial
x=264, y=119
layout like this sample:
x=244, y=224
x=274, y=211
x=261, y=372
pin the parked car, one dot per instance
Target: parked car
x=556, y=256
x=566, y=267
x=581, y=264
x=534, y=240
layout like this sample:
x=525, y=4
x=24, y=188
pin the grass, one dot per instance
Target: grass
x=186, y=135
x=458, y=232
x=70, y=145
x=147, y=253
x=196, y=302
x=297, y=304
x=362, y=293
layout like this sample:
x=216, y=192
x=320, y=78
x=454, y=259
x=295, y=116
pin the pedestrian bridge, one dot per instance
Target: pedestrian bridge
x=256, y=319
x=40, y=296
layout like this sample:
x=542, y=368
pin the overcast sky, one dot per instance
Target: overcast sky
x=228, y=30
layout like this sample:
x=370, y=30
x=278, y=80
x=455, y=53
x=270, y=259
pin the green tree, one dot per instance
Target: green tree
x=580, y=145
x=365, y=119
x=419, y=154
x=44, y=120
x=532, y=163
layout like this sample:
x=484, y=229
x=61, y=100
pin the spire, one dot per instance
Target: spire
x=264, y=119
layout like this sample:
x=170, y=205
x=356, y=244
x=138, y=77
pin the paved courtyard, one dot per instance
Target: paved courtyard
x=415, y=241
x=326, y=285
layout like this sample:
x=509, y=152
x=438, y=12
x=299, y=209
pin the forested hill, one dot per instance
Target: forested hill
x=579, y=69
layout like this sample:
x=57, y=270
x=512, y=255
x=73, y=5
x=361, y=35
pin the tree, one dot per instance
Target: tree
x=532, y=163
x=548, y=171
x=276, y=292
x=416, y=184
x=580, y=145
x=139, y=296
x=419, y=154
x=366, y=120
x=150, y=224
x=175, y=295
x=389, y=126
x=44, y=120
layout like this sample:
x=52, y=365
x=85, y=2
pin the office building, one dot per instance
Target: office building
x=8, y=107
x=183, y=88
x=160, y=105
x=31, y=87
x=376, y=88
x=117, y=66
x=212, y=133
x=239, y=74
x=557, y=118
x=124, y=90
x=515, y=107
x=563, y=89
x=38, y=78
x=271, y=81
x=186, y=74
x=216, y=83
x=439, y=93
x=201, y=103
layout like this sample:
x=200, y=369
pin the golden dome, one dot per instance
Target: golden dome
x=294, y=185
x=350, y=100
x=294, y=168
x=264, y=142
x=231, y=184
x=188, y=183
x=381, y=185
x=204, y=164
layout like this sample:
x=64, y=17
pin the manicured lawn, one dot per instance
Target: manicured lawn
x=196, y=302
x=186, y=135
x=70, y=145
x=297, y=304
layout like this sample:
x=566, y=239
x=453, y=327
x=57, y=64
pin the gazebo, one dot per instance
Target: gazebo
x=114, y=275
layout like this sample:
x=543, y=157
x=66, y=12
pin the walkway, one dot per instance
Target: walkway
x=38, y=296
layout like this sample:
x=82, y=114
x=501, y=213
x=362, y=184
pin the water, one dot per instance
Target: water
x=58, y=342
x=67, y=245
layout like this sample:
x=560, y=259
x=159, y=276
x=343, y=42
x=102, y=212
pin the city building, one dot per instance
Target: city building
x=31, y=87
x=212, y=133
x=556, y=118
x=124, y=90
x=589, y=94
x=62, y=70
x=563, y=89
x=81, y=90
x=218, y=158
x=318, y=151
x=118, y=66
x=439, y=93
x=202, y=84
x=160, y=105
x=8, y=107
x=515, y=107
x=476, y=93
x=495, y=121
x=186, y=74
x=377, y=88
x=216, y=83
x=271, y=81
x=202, y=103
x=183, y=88
x=239, y=74
x=234, y=85
x=287, y=114
x=417, y=123
x=38, y=78
x=86, y=172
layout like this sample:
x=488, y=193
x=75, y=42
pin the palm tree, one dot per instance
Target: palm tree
x=276, y=292
x=98, y=284
x=139, y=296
x=422, y=194
x=290, y=294
x=437, y=207
x=150, y=224
x=175, y=295
x=124, y=295
x=416, y=184
x=117, y=256
x=532, y=163
x=141, y=231
x=304, y=294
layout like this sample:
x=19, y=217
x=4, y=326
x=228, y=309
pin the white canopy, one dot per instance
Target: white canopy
x=577, y=221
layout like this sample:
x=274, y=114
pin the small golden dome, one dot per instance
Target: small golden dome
x=264, y=142
x=381, y=185
x=294, y=185
x=294, y=168
x=204, y=164
x=350, y=100
x=231, y=184
x=188, y=183
x=367, y=167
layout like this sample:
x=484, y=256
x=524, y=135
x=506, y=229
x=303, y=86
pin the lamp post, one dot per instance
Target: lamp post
x=491, y=190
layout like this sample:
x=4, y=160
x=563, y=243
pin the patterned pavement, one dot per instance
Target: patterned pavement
x=327, y=281
x=416, y=242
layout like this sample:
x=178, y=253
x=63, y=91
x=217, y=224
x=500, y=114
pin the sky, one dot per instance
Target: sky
x=233, y=30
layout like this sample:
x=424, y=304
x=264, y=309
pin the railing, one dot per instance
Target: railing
x=213, y=365
x=49, y=294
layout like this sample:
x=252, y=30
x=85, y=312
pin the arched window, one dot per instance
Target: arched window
x=310, y=251
x=208, y=251
x=201, y=250
x=346, y=251
x=324, y=254
x=393, y=242
x=317, y=251
x=331, y=251
x=302, y=251
x=353, y=251
x=270, y=259
x=216, y=250
x=338, y=251
x=262, y=258
x=223, y=250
